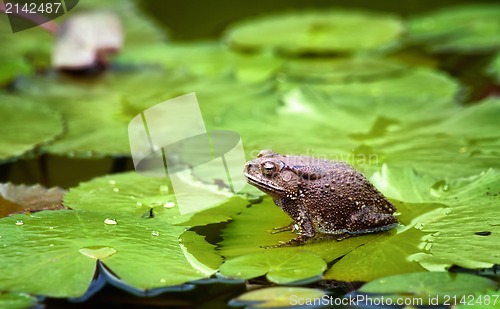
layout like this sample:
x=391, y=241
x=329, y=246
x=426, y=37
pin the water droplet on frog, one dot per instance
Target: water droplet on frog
x=51, y=227
x=116, y=189
x=112, y=182
x=19, y=222
x=110, y=221
x=155, y=233
x=163, y=280
x=164, y=189
x=447, y=211
x=51, y=245
x=139, y=204
x=169, y=204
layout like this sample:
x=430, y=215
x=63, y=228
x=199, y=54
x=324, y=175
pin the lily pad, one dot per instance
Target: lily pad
x=95, y=123
x=144, y=253
x=17, y=300
x=316, y=32
x=22, y=198
x=494, y=68
x=463, y=222
x=154, y=198
x=27, y=51
x=339, y=70
x=467, y=135
x=467, y=29
x=442, y=287
x=25, y=126
x=373, y=108
x=279, y=297
x=282, y=267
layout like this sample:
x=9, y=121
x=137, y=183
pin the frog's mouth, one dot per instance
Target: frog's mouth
x=262, y=184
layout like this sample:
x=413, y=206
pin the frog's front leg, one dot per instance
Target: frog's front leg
x=305, y=232
x=291, y=227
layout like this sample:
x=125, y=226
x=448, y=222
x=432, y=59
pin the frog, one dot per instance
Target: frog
x=324, y=198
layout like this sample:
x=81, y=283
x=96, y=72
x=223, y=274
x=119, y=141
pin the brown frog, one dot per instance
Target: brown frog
x=322, y=197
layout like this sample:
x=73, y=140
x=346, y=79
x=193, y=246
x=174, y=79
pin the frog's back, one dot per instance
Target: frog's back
x=344, y=201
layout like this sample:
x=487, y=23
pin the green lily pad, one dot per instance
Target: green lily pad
x=316, y=32
x=374, y=108
x=339, y=70
x=279, y=297
x=27, y=50
x=387, y=254
x=96, y=125
x=282, y=267
x=468, y=28
x=17, y=300
x=468, y=135
x=463, y=222
x=155, y=197
x=22, y=198
x=441, y=287
x=203, y=59
x=494, y=68
x=25, y=126
x=466, y=224
x=144, y=253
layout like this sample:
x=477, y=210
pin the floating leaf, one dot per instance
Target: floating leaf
x=17, y=300
x=316, y=32
x=467, y=205
x=467, y=28
x=339, y=70
x=282, y=267
x=149, y=197
x=467, y=223
x=144, y=253
x=443, y=287
x=96, y=126
x=18, y=198
x=25, y=125
x=27, y=50
x=278, y=297
x=494, y=68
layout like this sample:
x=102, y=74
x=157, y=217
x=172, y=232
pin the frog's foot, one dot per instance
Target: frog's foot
x=291, y=227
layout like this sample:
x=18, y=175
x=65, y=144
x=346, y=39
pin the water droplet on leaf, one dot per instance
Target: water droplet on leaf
x=110, y=221
x=97, y=252
x=169, y=204
x=19, y=222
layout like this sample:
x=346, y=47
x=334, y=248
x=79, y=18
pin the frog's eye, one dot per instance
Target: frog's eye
x=268, y=168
